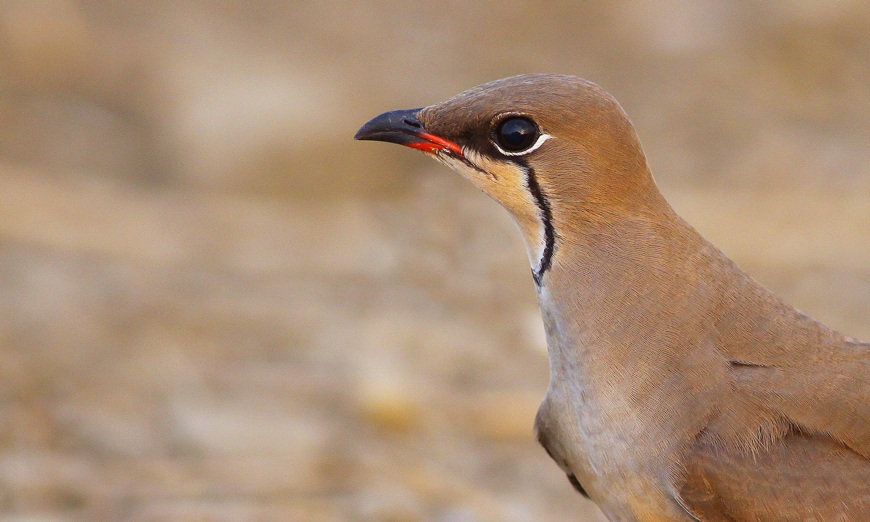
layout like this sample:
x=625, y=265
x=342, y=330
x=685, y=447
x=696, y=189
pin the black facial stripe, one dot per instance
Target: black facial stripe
x=546, y=217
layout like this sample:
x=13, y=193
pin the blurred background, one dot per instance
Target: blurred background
x=215, y=305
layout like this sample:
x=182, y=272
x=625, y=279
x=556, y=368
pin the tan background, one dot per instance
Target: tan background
x=214, y=305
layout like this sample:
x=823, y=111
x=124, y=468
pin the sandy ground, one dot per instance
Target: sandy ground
x=214, y=305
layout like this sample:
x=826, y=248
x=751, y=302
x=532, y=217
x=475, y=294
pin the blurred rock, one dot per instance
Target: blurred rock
x=388, y=406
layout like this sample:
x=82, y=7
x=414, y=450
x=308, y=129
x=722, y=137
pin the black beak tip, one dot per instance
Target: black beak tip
x=362, y=134
x=389, y=126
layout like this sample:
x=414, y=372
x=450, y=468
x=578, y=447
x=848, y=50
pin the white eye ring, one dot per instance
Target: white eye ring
x=541, y=139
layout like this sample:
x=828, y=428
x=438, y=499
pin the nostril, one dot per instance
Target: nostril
x=412, y=122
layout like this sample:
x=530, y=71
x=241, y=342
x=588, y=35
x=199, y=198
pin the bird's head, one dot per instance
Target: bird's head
x=555, y=150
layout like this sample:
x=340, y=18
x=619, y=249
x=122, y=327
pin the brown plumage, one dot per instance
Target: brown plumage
x=680, y=388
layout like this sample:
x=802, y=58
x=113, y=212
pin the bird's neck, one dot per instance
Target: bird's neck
x=641, y=298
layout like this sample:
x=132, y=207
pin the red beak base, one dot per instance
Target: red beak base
x=434, y=143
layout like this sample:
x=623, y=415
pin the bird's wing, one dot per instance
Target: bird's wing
x=801, y=477
x=822, y=390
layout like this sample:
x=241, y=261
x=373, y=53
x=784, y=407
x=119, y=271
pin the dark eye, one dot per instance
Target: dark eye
x=516, y=134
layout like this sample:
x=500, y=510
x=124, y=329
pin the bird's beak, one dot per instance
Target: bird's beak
x=404, y=128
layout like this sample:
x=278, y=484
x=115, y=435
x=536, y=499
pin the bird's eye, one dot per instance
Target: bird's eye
x=516, y=134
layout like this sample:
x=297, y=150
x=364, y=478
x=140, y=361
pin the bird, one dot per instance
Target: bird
x=680, y=388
